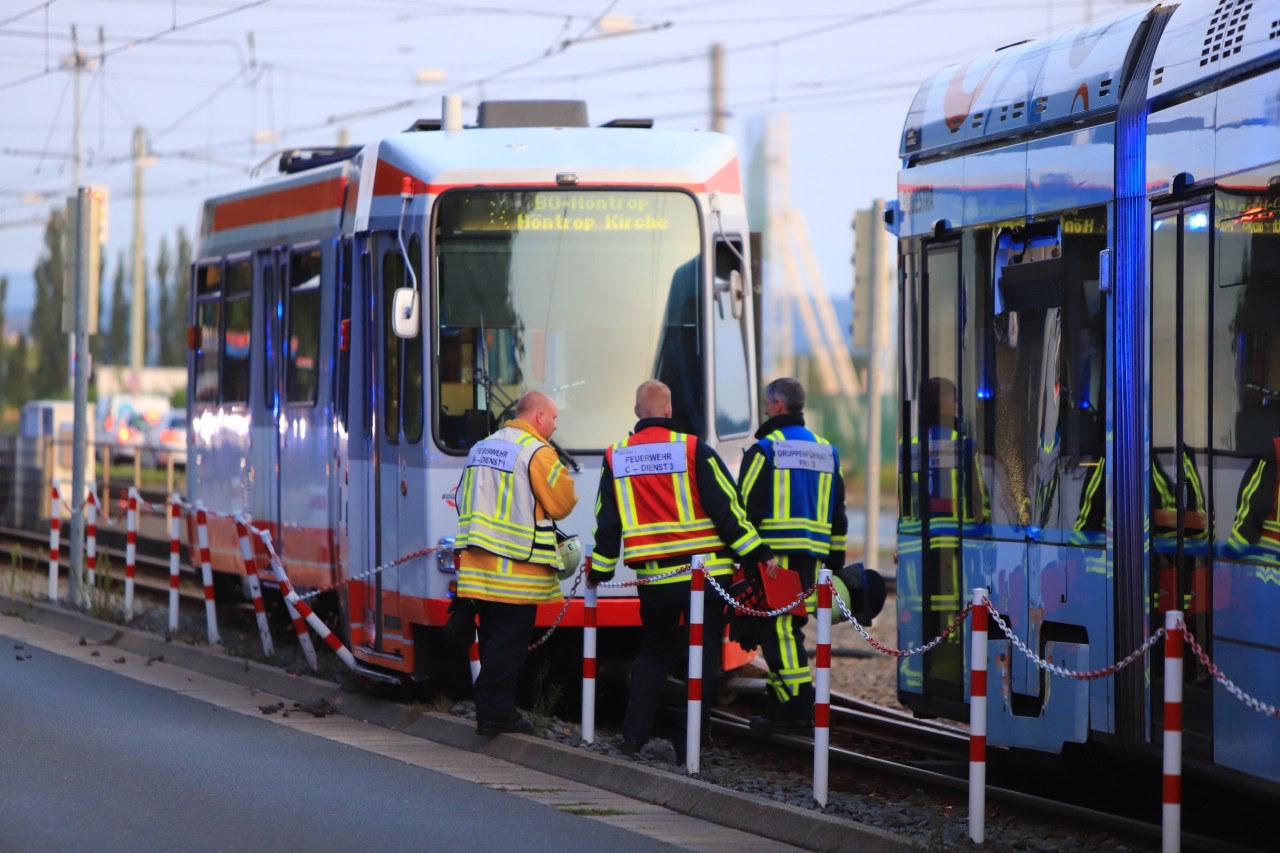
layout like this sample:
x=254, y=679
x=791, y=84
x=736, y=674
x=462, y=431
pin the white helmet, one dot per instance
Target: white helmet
x=570, y=556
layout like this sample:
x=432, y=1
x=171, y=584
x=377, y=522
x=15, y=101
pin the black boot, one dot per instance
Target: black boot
x=793, y=717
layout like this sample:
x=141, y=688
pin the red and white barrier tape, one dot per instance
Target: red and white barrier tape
x=255, y=586
x=206, y=574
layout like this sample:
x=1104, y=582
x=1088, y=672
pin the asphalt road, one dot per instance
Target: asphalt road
x=91, y=760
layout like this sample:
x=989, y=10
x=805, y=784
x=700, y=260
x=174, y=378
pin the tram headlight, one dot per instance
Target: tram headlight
x=445, y=560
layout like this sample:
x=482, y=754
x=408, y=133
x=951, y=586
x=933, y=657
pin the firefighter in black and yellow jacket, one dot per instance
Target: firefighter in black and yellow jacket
x=665, y=496
x=793, y=492
x=513, y=489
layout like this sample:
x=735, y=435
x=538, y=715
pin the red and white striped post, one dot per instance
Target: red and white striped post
x=1174, y=628
x=822, y=692
x=693, y=733
x=589, y=602
x=299, y=626
x=55, y=528
x=91, y=536
x=130, y=551
x=206, y=573
x=473, y=657
x=978, y=719
x=175, y=551
x=255, y=586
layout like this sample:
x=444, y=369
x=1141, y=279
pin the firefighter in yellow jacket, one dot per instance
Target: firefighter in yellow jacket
x=513, y=489
x=665, y=496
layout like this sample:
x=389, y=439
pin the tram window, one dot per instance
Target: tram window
x=269, y=294
x=208, y=332
x=1083, y=354
x=236, y=337
x=342, y=388
x=1042, y=380
x=534, y=296
x=393, y=276
x=1248, y=238
x=303, y=328
x=412, y=410
x=732, y=394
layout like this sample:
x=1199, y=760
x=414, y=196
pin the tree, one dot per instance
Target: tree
x=115, y=337
x=164, y=307
x=52, y=356
x=15, y=390
x=173, y=335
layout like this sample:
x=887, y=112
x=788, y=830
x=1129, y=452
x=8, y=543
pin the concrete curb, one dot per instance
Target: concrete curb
x=703, y=800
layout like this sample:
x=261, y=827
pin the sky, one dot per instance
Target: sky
x=219, y=85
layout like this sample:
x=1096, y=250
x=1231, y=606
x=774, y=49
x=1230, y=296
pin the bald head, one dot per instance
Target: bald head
x=539, y=411
x=653, y=400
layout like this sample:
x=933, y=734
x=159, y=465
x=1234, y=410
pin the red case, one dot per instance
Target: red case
x=782, y=590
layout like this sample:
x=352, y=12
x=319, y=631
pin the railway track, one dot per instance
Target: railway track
x=870, y=742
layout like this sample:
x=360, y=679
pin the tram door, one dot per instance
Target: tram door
x=1181, y=513
x=289, y=452
x=398, y=466
x=273, y=272
x=940, y=451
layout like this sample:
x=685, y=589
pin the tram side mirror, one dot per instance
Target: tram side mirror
x=735, y=289
x=404, y=312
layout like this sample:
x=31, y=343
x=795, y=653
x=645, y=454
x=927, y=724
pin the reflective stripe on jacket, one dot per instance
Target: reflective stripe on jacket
x=791, y=479
x=658, y=500
x=496, y=504
x=663, y=496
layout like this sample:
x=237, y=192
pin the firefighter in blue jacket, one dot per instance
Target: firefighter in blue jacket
x=793, y=492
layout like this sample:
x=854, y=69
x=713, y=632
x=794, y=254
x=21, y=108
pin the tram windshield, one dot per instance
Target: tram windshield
x=580, y=293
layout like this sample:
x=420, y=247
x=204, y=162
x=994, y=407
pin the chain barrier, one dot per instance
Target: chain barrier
x=399, y=561
x=1062, y=670
x=1215, y=672
x=555, y=623
x=1230, y=686
x=742, y=608
x=676, y=572
x=890, y=650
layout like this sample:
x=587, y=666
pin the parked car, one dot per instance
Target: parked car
x=168, y=440
x=125, y=419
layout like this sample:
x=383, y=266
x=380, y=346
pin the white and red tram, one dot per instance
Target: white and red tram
x=545, y=253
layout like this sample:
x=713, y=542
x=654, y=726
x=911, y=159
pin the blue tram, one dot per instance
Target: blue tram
x=1089, y=250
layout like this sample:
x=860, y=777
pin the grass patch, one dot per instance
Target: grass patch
x=544, y=702
x=100, y=605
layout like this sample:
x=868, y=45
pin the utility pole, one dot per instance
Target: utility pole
x=717, y=87
x=79, y=315
x=77, y=62
x=138, y=310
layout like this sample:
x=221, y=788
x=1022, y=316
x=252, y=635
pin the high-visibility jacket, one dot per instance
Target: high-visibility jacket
x=794, y=492
x=509, y=494
x=664, y=496
x=1256, y=529
x=948, y=504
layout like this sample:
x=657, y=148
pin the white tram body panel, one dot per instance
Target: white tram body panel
x=575, y=260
